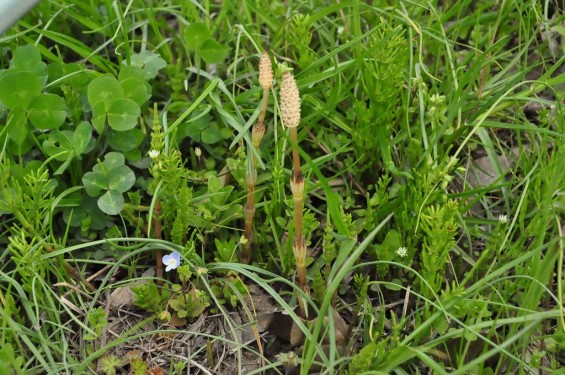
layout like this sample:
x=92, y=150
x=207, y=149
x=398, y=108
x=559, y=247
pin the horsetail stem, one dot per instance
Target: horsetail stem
x=257, y=133
x=290, y=111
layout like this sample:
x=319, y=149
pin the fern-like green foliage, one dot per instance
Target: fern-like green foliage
x=10, y=363
x=300, y=36
x=367, y=358
x=27, y=195
x=384, y=63
x=26, y=254
x=387, y=251
x=97, y=321
x=318, y=286
x=439, y=225
x=148, y=297
x=139, y=366
x=182, y=220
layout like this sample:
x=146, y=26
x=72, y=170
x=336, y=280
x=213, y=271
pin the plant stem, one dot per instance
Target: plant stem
x=251, y=175
x=295, y=156
x=157, y=232
x=299, y=245
x=249, y=211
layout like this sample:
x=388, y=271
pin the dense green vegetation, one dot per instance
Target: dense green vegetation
x=387, y=196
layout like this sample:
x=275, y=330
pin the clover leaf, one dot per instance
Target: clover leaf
x=16, y=126
x=203, y=129
x=104, y=89
x=19, y=89
x=212, y=51
x=113, y=178
x=66, y=145
x=125, y=141
x=111, y=203
x=58, y=145
x=149, y=62
x=195, y=34
x=133, y=84
x=106, y=97
x=123, y=114
x=47, y=111
x=28, y=59
x=81, y=137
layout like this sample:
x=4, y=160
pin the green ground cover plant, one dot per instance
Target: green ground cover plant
x=286, y=187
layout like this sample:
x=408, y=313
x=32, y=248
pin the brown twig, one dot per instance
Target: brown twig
x=157, y=232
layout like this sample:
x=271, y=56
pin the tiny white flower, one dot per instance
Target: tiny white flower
x=503, y=219
x=340, y=30
x=153, y=154
x=172, y=261
x=197, y=152
x=402, y=252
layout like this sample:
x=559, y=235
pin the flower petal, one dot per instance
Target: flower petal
x=167, y=259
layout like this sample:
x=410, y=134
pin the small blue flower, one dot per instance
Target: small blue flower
x=172, y=261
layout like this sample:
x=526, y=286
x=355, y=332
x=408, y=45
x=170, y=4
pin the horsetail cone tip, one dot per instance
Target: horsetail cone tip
x=290, y=101
x=265, y=71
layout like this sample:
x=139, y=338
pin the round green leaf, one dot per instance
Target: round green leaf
x=137, y=90
x=123, y=114
x=134, y=155
x=27, y=58
x=17, y=126
x=81, y=137
x=56, y=144
x=212, y=52
x=22, y=148
x=125, y=141
x=19, y=89
x=127, y=72
x=195, y=34
x=121, y=178
x=211, y=135
x=94, y=183
x=113, y=159
x=149, y=62
x=395, y=285
x=47, y=111
x=111, y=203
x=104, y=89
x=98, y=117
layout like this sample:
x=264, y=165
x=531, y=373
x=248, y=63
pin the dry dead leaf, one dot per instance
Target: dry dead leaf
x=123, y=296
x=155, y=371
